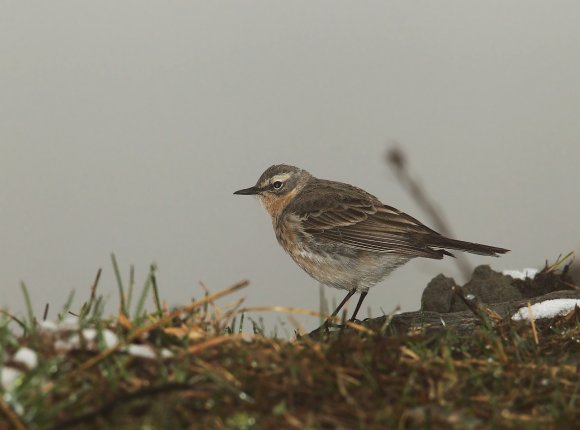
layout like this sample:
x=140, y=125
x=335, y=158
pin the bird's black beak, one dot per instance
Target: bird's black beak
x=248, y=191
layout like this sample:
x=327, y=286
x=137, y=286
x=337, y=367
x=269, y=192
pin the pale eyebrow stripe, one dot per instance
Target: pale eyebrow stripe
x=281, y=177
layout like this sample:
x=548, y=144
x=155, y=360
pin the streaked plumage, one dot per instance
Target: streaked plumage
x=343, y=236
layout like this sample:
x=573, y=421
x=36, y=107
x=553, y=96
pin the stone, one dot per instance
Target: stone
x=438, y=294
x=488, y=287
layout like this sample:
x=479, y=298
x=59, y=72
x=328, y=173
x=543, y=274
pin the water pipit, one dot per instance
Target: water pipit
x=343, y=236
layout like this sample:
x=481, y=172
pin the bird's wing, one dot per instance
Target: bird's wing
x=359, y=220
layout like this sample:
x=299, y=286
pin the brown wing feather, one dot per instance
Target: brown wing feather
x=340, y=213
x=343, y=214
x=377, y=231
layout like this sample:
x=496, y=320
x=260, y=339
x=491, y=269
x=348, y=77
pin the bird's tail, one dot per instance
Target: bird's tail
x=474, y=248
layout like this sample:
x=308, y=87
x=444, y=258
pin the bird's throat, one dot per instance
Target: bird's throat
x=275, y=204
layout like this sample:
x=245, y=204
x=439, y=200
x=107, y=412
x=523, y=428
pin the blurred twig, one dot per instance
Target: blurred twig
x=397, y=160
x=14, y=420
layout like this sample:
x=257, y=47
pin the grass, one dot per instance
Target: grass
x=215, y=368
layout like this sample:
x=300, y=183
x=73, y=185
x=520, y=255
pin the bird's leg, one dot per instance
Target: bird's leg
x=337, y=310
x=360, y=300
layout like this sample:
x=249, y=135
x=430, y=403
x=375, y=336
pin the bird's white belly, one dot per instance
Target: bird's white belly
x=360, y=271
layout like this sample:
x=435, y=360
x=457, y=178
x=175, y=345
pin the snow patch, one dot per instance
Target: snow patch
x=528, y=272
x=70, y=322
x=9, y=377
x=27, y=357
x=90, y=336
x=146, y=351
x=48, y=326
x=143, y=351
x=546, y=309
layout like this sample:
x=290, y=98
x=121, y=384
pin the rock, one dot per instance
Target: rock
x=543, y=283
x=442, y=309
x=461, y=323
x=438, y=294
x=488, y=287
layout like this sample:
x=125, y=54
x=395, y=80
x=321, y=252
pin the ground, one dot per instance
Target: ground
x=197, y=367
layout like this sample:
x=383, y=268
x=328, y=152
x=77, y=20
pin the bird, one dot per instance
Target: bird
x=343, y=236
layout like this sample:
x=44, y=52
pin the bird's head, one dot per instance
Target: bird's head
x=277, y=187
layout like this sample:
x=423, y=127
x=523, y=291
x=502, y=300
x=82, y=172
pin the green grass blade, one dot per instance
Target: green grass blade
x=131, y=286
x=29, y=311
x=119, y=285
x=143, y=296
x=67, y=305
x=156, y=298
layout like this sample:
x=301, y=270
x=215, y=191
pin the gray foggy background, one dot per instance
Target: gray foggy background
x=126, y=126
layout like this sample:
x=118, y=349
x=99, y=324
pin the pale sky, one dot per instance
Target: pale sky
x=125, y=126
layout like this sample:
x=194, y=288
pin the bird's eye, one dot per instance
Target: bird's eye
x=277, y=185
